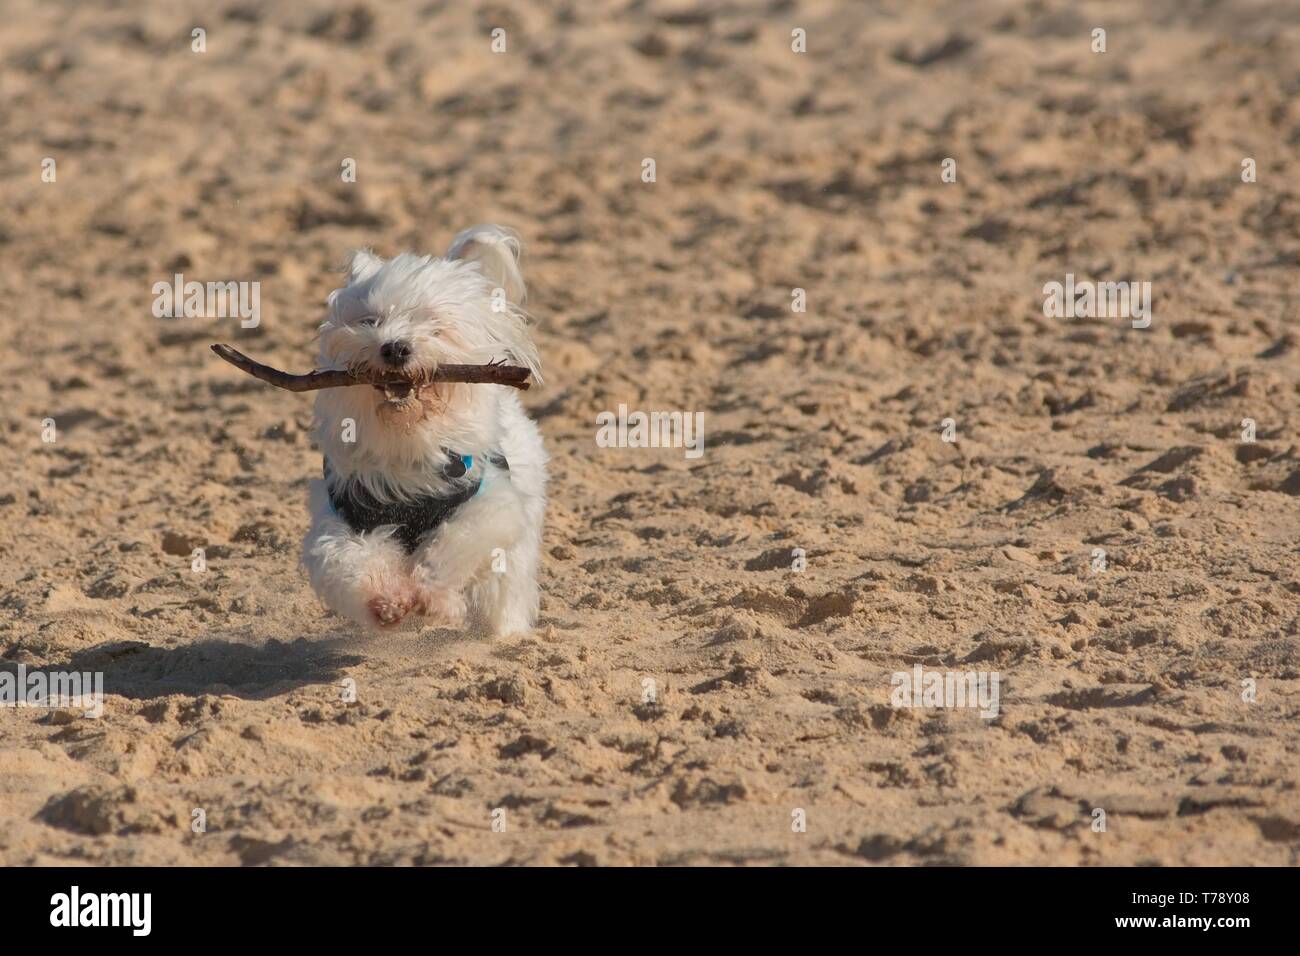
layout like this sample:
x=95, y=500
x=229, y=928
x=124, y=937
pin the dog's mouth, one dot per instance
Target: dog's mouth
x=404, y=404
x=399, y=392
x=406, y=397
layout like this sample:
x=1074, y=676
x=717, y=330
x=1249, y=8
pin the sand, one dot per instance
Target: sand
x=669, y=577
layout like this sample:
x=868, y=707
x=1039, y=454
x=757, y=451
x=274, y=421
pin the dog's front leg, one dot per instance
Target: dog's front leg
x=360, y=576
x=463, y=548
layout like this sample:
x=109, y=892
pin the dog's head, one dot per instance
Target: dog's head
x=410, y=314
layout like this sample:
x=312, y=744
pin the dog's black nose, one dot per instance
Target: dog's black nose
x=395, y=353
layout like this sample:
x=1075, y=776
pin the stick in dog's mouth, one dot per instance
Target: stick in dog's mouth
x=397, y=386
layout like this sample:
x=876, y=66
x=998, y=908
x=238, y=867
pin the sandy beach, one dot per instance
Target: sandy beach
x=907, y=462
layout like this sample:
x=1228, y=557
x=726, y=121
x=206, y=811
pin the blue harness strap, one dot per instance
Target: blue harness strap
x=415, y=518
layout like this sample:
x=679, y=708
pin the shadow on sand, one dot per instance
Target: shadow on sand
x=256, y=672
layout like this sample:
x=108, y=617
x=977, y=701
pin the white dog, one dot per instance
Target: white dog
x=432, y=498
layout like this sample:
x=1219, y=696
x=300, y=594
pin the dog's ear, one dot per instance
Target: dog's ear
x=496, y=249
x=362, y=266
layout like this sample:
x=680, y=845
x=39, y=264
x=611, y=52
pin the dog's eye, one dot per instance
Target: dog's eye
x=368, y=320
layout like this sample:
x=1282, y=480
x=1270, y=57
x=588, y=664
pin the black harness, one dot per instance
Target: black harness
x=415, y=518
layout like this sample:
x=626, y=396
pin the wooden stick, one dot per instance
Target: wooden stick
x=515, y=376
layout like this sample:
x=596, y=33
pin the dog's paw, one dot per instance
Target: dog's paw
x=388, y=611
x=442, y=604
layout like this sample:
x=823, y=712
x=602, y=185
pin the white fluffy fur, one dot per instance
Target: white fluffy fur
x=445, y=309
